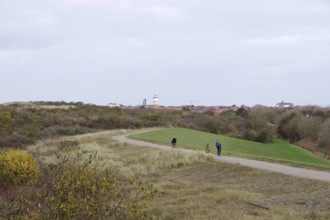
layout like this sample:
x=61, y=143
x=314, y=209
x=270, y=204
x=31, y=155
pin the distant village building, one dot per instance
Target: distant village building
x=217, y=110
x=112, y=104
x=155, y=103
x=284, y=105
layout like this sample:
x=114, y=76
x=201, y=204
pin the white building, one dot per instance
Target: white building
x=155, y=100
x=284, y=105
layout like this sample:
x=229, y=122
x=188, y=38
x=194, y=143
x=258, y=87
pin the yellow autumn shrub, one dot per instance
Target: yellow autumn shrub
x=18, y=167
x=78, y=186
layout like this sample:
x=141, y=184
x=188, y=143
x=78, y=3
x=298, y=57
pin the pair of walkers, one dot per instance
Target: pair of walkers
x=207, y=147
x=217, y=145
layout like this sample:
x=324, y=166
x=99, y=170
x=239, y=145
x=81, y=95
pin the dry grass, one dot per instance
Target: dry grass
x=193, y=186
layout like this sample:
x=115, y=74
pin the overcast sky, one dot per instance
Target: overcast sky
x=205, y=52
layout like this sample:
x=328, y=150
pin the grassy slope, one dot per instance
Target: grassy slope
x=277, y=150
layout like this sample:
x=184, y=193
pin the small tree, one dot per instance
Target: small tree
x=243, y=112
x=324, y=135
x=260, y=121
x=309, y=127
x=288, y=126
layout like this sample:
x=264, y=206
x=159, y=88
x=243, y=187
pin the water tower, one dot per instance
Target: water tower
x=155, y=99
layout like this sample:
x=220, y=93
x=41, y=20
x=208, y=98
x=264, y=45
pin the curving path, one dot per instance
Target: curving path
x=284, y=169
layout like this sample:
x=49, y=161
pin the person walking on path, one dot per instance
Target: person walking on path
x=174, y=142
x=218, y=146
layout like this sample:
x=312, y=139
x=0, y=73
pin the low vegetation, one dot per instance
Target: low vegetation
x=169, y=185
x=194, y=186
x=89, y=176
x=75, y=184
x=22, y=124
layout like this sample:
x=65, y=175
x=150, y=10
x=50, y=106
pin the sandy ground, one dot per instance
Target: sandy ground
x=284, y=169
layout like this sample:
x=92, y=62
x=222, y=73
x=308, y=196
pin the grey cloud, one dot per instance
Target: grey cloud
x=187, y=44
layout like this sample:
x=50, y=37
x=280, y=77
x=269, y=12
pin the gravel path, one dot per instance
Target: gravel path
x=284, y=169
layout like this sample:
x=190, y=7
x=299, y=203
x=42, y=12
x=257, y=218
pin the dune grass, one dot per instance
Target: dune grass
x=277, y=150
x=195, y=187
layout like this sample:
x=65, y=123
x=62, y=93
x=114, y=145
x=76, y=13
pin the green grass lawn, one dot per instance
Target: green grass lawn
x=278, y=150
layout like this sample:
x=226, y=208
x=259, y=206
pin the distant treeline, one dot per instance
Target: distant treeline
x=24, y=123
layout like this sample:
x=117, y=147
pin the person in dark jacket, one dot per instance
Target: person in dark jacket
x=173, y=142
x=218, y=146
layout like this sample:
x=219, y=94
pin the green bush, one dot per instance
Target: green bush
x=5, y=120
x=18, y=167
x=30, y=130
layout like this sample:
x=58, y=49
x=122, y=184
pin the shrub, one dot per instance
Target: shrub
x=30, y=130
x=18, y=167
x=58, y=130
x=5, y=120
x=324, y=135
x=77, y=187
x=68, y=145
x=15, y=140
x=249, y=134
x=288, y=126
